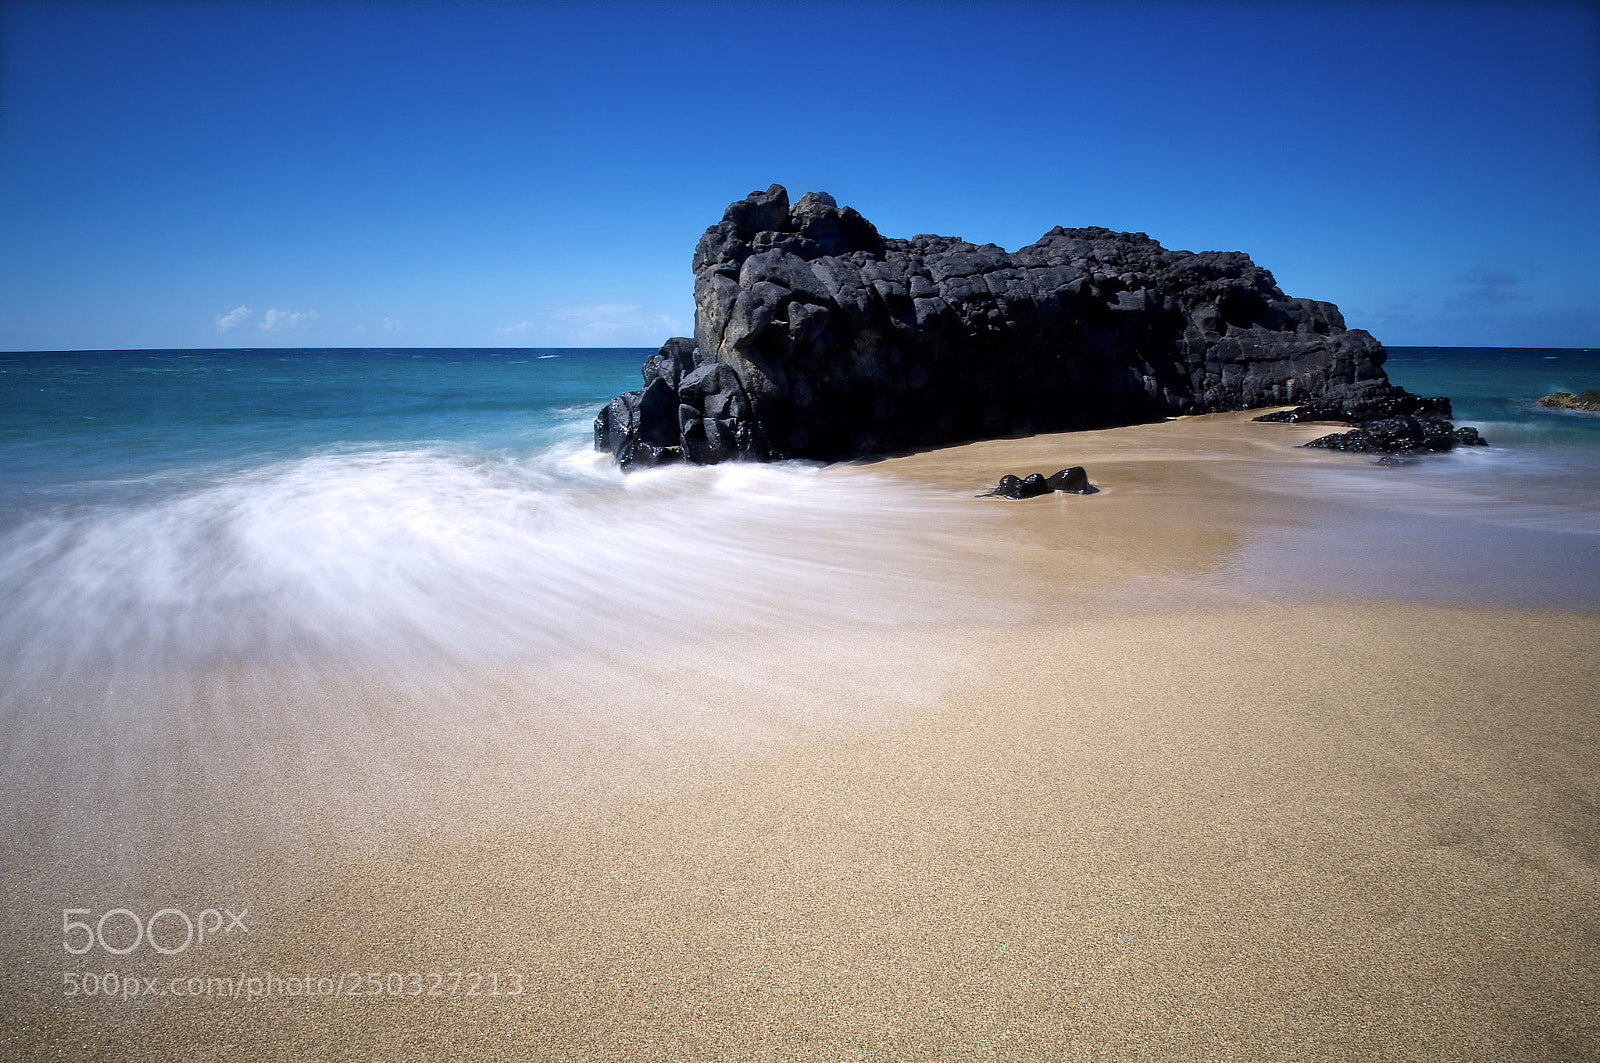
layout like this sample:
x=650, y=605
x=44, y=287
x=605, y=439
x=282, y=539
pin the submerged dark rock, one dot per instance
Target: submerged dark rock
x=1032, y=486
x=817, y=337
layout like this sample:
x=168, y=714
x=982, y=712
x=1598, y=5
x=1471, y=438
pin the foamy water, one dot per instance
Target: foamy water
x=327, y=576
x=425, y=551
x=359, y=641
x=428, y=584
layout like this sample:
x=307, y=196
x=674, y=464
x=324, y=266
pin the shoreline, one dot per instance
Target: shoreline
x=1137, y=813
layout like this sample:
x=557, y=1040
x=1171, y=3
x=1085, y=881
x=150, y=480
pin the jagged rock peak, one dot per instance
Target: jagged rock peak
x=763, y=221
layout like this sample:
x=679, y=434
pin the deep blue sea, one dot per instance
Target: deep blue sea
x=214, y=501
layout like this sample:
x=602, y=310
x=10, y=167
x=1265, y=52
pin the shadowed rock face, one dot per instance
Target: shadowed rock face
x=816, y=337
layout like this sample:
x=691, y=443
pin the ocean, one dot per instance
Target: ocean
x=315, y=576
x=347, y=583
x=192, y=506
x=211, y=504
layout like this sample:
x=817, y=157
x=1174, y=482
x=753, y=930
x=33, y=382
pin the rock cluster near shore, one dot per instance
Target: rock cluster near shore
x=1401, y=435
x=1398, y=423
x=816, y=337
x=1073, y=481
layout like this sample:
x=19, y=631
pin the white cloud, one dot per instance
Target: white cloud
x=1484, y=286
x=614, y=323
x=276, y=320
x=391, y=325
x=233, y=318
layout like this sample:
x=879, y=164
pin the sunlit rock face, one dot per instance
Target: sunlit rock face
x=816, y=337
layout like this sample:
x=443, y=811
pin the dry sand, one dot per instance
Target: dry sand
x=1129, y=813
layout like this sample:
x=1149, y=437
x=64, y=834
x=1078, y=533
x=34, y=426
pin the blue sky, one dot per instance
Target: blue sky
x=478, y=174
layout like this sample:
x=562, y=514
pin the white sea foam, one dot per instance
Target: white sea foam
x=346, y=637
x=408, y=552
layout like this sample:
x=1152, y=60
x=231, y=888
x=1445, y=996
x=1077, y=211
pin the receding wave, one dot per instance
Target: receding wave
x=1495, y=525
x=407, y=552
x=344, y=624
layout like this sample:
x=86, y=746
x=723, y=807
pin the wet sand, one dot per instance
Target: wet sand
x=1110, y=807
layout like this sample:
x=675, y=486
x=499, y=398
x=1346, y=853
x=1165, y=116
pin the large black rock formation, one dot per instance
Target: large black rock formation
x=816, y=337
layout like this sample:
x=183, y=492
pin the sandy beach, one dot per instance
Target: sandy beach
x=1089, y=798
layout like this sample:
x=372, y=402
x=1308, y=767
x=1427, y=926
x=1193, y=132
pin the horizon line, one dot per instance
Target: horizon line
x=390, y=347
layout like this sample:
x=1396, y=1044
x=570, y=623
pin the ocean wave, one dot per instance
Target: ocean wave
x=404, y=552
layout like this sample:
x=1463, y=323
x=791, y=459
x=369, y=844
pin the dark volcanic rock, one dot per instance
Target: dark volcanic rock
x=641, y=428
x=1397, y=423
x=816, y=337
x=1072, y=481
x=1398, y=402
x=1566, y=400
x=1069, y=481
x=1031, y=486
x=1393, y=435
x=1010, y=486
x=675, y=358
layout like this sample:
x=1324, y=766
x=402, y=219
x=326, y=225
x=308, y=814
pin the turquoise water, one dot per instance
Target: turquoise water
x=224, y=503
x=173, y=506
x=76, y=422
x=1494, y=388
x=80, y=422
